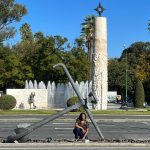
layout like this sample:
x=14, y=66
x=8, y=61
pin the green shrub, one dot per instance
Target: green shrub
x=72, y=101
x=7, y=102
x=139, y=95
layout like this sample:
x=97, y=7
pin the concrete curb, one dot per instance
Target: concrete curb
x=90, y=144
x=24, y=120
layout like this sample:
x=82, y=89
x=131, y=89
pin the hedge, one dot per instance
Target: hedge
x=7, y=102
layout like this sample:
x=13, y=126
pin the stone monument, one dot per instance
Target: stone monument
x=99, y=61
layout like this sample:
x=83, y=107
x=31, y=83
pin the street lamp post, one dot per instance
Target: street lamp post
x=126, y=98
x=148, y=28
x=148, y=25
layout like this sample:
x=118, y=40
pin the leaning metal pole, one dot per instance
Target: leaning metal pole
x=24, y=132
x=21, y=133
x=81, y=100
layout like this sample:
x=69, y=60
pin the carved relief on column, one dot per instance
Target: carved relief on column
x=99, y=85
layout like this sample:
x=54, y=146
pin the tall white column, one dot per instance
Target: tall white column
x=99, y=68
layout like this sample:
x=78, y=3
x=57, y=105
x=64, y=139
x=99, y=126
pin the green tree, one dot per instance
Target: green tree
x=139, y=94
x=38, y=37
x=50, y=51
x=139, y=61
x=9, y=12
x=26, y=32
x=117, y=78
x=26, y=49
x=78, y=64
x=88, y=34
x=12, y=73
x=135, y=55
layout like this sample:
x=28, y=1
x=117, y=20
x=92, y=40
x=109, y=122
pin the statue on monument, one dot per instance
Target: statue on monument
x=31, y=100
x=100, y=9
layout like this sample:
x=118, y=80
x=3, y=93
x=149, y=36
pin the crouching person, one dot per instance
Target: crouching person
x=81, y=127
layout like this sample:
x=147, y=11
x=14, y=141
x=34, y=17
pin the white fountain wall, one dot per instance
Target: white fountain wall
x=22, y=96
x=50, y=95
x=57, y=95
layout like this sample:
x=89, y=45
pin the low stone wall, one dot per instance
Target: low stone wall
x=22, y=98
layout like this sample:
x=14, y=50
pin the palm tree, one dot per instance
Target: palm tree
x=88, y=34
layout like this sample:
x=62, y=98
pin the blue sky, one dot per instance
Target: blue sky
x=127, y=20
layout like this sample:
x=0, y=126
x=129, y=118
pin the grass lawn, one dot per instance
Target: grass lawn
x=19, y=112
x=143, y=111
x=123, y=112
